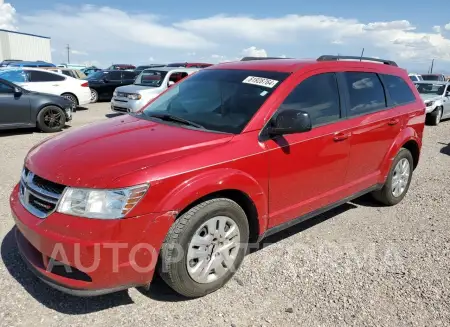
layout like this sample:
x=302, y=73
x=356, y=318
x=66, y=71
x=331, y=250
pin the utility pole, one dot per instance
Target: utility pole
x=362, y=53
x=68, y=54
x=432, y=64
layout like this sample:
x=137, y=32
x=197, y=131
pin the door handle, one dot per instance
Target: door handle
x=393, y=121
x=341, y=136
x=55, y=85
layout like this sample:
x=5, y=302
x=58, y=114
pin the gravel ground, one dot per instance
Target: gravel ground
x=359, y=265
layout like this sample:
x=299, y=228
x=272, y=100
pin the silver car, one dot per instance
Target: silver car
x=436, y=96
x=147, y=86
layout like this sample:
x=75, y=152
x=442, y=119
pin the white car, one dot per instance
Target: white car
x=415, y=77
x=436, y=96
x=147, y=86
x=45, y=81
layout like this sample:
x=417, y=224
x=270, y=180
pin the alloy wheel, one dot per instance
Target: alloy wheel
x=53, y=118
x=400, y=177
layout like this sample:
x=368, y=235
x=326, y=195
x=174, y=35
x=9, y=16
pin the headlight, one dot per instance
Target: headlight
x=134, y=96
x=101, y=204
x=429, y=104
x=114, y=93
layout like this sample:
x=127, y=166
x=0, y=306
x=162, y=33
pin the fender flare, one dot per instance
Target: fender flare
x=212, y=181
x=408, y=134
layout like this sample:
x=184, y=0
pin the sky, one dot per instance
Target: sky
x=139, y=32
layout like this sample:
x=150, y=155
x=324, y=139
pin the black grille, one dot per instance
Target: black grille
x=47, y=185
x=120, y=109
x=41, y=204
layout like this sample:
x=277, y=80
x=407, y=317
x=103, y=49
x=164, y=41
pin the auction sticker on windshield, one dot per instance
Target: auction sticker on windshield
x=260, y=81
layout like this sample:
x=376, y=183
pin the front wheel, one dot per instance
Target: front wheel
x=398, y=180
x=204, y=247
x=435, y=116
x=51, y=119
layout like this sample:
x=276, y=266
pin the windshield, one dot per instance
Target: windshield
x=430, y=88
x=219, y=100
x=430, y=77
x=151, y=78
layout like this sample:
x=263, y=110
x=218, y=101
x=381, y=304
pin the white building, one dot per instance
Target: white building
x=24, y=46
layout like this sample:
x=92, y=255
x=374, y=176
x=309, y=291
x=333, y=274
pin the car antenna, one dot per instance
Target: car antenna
x=362, y=53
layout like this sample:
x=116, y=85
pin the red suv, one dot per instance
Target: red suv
x=229, y=155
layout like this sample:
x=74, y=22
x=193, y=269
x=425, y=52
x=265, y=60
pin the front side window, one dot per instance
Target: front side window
x=366, y=93
x=115, y=76
x=38, y=76
x=151, y=78
x=14, y=76
x=399, y=91
x=129, y=75
x=218, y=100
x=5, y=89
x=318, y=95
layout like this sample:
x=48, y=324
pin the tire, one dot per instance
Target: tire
x=45, y=122
x=94, y=96
x=179, y=272
x=435, y=117
x=387, y=195
x=71, y=97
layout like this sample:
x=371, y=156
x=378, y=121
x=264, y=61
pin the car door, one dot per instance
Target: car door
x=376, y=123
x=446, y=102
x=45, y=82
x=307, y=170
x=112, y=80
x=14, y=107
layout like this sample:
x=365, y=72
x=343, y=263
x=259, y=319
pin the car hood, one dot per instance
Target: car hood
x=139, y=89
x=430, y=97
x=99, y=154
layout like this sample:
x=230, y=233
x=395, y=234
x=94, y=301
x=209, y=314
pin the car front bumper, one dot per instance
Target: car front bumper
x=88, y=257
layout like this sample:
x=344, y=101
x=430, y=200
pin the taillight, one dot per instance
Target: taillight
x=85, y=84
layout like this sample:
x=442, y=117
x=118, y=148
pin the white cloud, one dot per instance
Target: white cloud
x=151, y=59
x=113, y=35
x=254, y=52
x=77, y=52
x=437, y=29
x=7, y=16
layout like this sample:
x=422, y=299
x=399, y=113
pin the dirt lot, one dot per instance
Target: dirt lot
x=360, y=265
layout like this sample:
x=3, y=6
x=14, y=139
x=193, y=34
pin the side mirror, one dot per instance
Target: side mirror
x=105, y=79
x=17, y=91
x=170, y=83
x=447, y=94
x=290, y=121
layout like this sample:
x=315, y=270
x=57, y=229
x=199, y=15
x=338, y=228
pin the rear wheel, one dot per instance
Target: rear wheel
x=51, y=119
x=94, y=96
x=204, y=247
x=398, y=181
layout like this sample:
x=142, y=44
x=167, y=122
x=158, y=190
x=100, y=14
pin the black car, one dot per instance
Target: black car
x=21, y=108
x=103, y=83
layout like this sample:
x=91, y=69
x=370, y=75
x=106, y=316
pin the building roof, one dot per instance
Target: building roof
x=15, y=32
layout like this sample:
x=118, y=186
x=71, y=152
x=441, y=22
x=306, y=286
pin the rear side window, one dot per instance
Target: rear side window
x=318, y=95
x=399, y=91
x=115, y=76
x=37, y=76
x=129, y=75
x=366, y=93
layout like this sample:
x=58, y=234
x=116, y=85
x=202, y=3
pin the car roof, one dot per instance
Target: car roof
x=432, y=82
x=169, y=69
x=293, y=65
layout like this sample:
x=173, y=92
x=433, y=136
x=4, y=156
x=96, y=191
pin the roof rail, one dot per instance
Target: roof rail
x=336, y=58
x=261, y=58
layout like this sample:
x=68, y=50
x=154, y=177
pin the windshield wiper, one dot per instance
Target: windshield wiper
x=172, y=118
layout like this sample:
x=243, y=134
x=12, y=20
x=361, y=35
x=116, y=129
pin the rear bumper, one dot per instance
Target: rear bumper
x=85, y=97
x=89, y=257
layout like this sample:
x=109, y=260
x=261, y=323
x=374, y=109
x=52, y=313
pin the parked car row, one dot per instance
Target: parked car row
x=428, y=77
